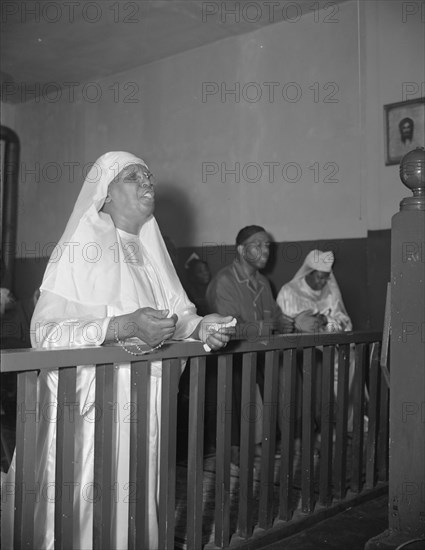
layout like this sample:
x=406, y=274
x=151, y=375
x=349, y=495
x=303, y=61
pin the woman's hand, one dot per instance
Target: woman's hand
x=214, y=335
x=323, y=321
x=152, y=326
x=6, y=299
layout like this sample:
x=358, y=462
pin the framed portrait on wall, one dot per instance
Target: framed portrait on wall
x=404, y=128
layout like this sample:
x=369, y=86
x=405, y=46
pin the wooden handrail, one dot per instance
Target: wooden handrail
x=15, y=360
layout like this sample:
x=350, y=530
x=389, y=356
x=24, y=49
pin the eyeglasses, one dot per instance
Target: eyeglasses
x=138, y=173
x=148, y=176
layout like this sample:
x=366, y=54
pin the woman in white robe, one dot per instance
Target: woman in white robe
x=314, y=289
x=313, y=299
x=109, y=278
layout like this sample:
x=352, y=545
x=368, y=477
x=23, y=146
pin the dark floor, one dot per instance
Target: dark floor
x=349, y=530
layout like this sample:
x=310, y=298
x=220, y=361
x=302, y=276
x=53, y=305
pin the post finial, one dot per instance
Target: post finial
x=412, y=174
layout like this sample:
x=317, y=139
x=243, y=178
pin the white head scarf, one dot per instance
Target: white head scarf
x=316, y=260
x=87, y=264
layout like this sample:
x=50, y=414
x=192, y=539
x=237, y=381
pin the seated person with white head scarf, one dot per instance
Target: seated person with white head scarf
x=110, y=278
x=313, y=297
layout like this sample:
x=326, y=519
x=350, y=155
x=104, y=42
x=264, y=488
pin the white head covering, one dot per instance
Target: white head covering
x=88, y=266
x=316, y=260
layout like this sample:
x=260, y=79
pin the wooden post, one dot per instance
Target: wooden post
x=406, y=506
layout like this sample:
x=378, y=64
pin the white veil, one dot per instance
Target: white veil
x=316, y=260
x=87, y=264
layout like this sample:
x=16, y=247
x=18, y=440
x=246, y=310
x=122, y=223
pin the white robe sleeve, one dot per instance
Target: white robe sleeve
x=292, y=303
x=57, y=322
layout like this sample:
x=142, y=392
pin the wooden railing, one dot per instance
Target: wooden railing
x=269, y=500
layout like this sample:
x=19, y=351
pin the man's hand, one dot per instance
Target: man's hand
x=152, y=326
x=307, y=321
x=285, y=324
x=214, y=335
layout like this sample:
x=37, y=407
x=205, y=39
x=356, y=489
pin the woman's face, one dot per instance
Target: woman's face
x=132, y=191
x=317, y=280
x=202, y=273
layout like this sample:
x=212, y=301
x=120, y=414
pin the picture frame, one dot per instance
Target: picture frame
x=404, y=128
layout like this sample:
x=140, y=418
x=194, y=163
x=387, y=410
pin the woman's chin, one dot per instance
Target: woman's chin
x=147, y=207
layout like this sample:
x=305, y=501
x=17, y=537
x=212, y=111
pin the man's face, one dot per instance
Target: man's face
x=406, y=131
x=256, y=250
x=132, y=191
x=317, y=279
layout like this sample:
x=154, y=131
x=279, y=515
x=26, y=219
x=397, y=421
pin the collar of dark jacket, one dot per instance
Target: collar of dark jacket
x=242, y=277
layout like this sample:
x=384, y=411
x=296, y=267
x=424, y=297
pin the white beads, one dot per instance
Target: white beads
x=140, y=350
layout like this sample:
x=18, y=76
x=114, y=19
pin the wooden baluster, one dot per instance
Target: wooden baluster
x=373, y=412
x=383, y=432
x=307, y=463
x=287, y=412
x=103, y=457
x=341, y=421
x=139, y=441
x=249, y=367
x=358, y=418
x=271, y=382
x=167, y=479
x=195, y=466
x=327, y=424
x=26, y=490
x=222, y=472
x=65, y=438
